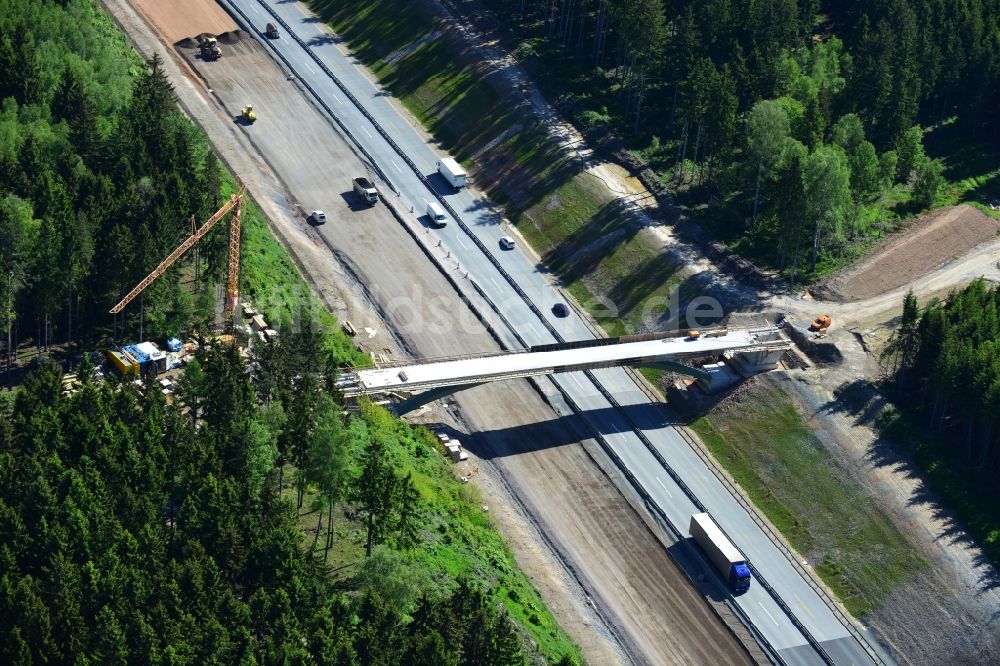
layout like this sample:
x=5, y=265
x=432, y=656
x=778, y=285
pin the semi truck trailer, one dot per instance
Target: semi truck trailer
x=721, y=552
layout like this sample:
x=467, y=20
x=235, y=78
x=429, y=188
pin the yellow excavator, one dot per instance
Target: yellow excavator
x=247, y=114
x=821, y=325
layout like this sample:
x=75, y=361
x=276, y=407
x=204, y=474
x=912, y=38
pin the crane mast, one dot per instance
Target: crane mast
x=235, y=204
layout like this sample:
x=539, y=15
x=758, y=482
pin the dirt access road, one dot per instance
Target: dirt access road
x=366, y=267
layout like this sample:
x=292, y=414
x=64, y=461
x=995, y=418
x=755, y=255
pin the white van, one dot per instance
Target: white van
x=435, y=213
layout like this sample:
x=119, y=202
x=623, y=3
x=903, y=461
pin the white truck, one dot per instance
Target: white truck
x=451, y=171
x=721, y=552
x=364, y=189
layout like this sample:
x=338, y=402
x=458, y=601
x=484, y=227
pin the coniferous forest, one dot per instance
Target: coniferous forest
x=944, y=359
x=99, y=177
x=805, y=125
x=136, y=533
x=944, y=372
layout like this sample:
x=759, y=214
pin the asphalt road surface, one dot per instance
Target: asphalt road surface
x=525, y=296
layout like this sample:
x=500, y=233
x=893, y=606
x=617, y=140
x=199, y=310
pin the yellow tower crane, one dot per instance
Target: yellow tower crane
x=234, y=204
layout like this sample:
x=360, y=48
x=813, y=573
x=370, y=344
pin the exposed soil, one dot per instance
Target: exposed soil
x=941, y=621
x=943, y=618
x=183, y=19
x=922, y=247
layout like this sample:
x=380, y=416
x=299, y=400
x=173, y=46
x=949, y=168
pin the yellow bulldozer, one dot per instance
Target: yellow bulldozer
x=247, y=114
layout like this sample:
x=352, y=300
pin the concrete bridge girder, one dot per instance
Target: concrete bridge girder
x=419, y=400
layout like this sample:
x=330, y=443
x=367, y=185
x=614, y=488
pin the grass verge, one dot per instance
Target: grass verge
x=823, y=512
x=458, y=535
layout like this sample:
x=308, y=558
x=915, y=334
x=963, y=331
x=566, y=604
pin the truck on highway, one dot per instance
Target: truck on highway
x=721, y=552
x=364, y=189
x=435, y=213
x=451, y=171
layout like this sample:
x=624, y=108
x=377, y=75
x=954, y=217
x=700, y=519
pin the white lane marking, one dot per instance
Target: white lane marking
x=396, y=165
x=806, y=608
x=768, y=614
x=664, y=487
x=532, y=328
x=459, y=239
x=494, y=281
x=367, y=132
x=307, y=66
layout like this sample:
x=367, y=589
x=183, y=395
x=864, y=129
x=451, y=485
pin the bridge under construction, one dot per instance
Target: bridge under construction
x=750, y=351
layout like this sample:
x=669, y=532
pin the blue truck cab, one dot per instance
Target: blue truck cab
x=739, y=578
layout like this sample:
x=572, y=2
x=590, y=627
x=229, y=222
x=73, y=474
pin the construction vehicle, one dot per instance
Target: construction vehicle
x=235, y=204
x=210, y=49
x=721, y=552
x=247, y=114
x=271, y=31
x=821, y=324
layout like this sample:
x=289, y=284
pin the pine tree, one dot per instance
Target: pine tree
x=327, y=463
x=902, y=348
x=408, y=534
x=376, y=492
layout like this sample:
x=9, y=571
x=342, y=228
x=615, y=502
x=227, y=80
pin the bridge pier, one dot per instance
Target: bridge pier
x=752, y=363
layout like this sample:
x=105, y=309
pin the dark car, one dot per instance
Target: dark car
x=560, y=310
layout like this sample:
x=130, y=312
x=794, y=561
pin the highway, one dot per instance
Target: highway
x=632, y=428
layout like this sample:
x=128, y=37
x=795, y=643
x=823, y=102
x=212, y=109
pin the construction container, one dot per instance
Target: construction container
x=149, y=357
x=124, y=363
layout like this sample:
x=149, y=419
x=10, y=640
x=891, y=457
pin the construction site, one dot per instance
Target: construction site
x=603, y=561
